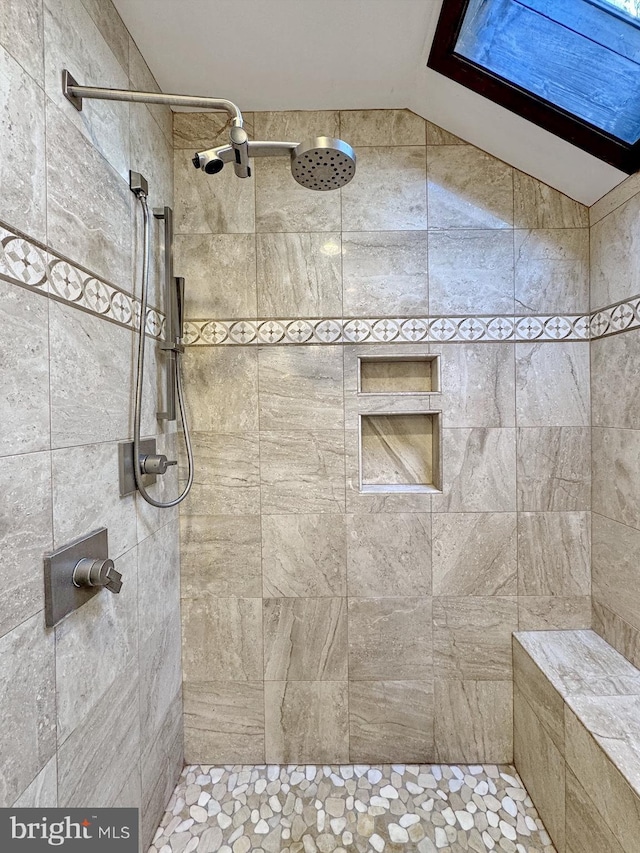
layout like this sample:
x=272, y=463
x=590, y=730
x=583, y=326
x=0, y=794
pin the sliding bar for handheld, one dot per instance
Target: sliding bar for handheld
x=173, y=304
x=75, y=93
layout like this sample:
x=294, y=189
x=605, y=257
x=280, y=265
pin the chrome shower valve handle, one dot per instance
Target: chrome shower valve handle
x=155, y=463
x=90, y=572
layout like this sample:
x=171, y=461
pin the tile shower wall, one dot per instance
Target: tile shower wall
x=92, y=708
x=325, y=625
x=615, y=254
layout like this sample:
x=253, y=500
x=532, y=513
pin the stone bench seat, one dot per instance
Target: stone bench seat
x=577, y=738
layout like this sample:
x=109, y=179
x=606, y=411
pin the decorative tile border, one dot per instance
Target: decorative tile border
x=35, y=267
x=32, y=265
x=386, y=330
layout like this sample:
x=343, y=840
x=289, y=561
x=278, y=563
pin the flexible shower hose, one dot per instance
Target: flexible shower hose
x=137, y=417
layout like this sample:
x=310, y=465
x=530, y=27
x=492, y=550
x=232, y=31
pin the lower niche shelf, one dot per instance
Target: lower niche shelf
x=400, y=452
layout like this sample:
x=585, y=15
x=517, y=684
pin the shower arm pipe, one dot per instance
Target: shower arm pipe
x=74, y=93
x=256, y=149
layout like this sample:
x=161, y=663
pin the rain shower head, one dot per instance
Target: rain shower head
x=323, y=163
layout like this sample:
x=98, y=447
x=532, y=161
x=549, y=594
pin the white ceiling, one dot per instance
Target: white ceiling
x=342, y=54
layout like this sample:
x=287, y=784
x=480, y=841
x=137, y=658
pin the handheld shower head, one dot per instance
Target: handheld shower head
x=323, y=163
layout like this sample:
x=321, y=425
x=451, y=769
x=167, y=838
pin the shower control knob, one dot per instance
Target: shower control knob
x=91, y=572
x=155, y=463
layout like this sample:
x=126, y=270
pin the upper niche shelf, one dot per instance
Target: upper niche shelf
x=402, y=375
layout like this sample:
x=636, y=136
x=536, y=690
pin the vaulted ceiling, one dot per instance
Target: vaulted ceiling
x=342, y=54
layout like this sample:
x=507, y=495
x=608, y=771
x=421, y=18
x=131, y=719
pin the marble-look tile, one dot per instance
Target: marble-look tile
x=554, y=469
x=382, y=127
x=299, y=275
x=284, y=205
x=615, y=249
x=160, y=676
x=92, y=770
x=305, y=639
x=479, y=471
x=306, y=721
x=614, y=724
x=616, y=197
x=82, y=504
x=478, y=386
x=21, y=33
x=112, y=29
x=130, y=795
x=398, y=375
x=302, y=471
x=300, y=388
x=304, y=555
x=152, y=156
x=222, y=388
x=211, y=204
x=616, y=553
x=540, y=206
x=437, y=135
x=472, y=637
x=552, y=384
x=399, y=450
x=474, y=553
x=399, y=409
x=553, y=612
x=580, y=663
x=541, y=766
x=42, y=793
x=391, y=721
x=22, y=165
x=220, y=555
x=220, y=271
x=161, y=762
x=615, y=381
x=28, y=701
x=385, y=272
x=141, y=78
x=204, y=130
x=390, y=638
x=584, y=825
x=93, y=645
x=158, y=578
x=89, y=207
x=224, y=721
x=554, y=553
x=73, y=41
x=552, y=270
x=618, y=633
x=468, y=188
x=227, y=474
x=389, y=554
x=296, y=125
x=615, y=465
x=617, y=802
x=473, y=720
x=471, y=272
x=376, y=500
x=222, y=639
x=25, y=494
x=388, y=192
x=544, y=700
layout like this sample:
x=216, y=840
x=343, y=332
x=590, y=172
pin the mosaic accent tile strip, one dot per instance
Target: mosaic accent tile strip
x=305, y=809
x=386, y=330
x=36, y=268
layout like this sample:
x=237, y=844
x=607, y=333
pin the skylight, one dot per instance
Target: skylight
x=572, y=66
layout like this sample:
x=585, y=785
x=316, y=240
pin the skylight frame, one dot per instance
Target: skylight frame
x=443, y=59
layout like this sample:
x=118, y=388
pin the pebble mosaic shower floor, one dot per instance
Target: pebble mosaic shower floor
x=304, y=809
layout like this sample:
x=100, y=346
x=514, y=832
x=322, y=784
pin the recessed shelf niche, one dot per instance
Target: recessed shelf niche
x=401, y=375
x=400, y=452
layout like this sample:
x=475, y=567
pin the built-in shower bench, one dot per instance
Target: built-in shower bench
x=577, y=738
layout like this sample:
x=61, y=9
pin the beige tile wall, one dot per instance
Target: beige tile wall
x=615, y=413
x=320, y=623
x=112, y=668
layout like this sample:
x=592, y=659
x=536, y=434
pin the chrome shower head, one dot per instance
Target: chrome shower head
x=323, y=163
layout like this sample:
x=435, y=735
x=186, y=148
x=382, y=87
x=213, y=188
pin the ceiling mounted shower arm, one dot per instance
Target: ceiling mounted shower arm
x=75, y=94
